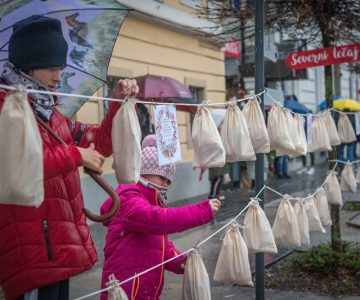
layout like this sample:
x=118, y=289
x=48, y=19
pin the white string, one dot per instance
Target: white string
x=318, y=114
x=210, y=104
x=253, y=199
x=310, y=195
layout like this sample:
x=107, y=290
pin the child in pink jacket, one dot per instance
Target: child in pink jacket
x=137, y=236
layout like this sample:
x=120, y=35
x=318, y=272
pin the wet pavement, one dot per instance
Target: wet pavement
x=236, y=199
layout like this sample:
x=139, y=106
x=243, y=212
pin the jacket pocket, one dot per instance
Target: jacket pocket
x=47, y=239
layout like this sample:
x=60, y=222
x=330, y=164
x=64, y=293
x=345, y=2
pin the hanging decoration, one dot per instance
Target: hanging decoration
x=348, y=180
x=126, y=139
x=233, y=263
x=21, y=159
x=285, y=227
x=235, y=136
x=208, y=149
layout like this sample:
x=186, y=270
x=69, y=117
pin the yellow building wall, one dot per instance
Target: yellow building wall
x=149, y=48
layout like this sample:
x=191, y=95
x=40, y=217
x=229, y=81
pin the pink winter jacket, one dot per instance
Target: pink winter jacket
x=137, y=239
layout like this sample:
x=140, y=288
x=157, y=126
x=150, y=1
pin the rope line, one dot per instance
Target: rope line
x=252, y=199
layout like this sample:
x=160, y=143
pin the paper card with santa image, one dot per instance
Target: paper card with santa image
x=167, y=135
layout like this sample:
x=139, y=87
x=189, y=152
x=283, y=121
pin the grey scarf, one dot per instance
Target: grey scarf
x=161, y=191
x=42, y=103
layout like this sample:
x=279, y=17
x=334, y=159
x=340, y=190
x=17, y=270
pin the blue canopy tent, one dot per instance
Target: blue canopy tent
x=322, y=105
x=296, y=107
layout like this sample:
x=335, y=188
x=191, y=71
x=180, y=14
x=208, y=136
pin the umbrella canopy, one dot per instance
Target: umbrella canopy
x=296, y=107
x=322, y=105
x=346, y=104
x=90, y=29
x=165, y=89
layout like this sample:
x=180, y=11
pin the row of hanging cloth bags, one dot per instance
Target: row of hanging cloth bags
x=286, y=133
x=292, y=225
x=233, y=262
x=21, y=159
x=243, y=133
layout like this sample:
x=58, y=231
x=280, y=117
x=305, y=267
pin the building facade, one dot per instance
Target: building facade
x=164, y=38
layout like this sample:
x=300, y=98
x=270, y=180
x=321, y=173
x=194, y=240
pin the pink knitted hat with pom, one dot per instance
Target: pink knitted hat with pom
x=150, y=162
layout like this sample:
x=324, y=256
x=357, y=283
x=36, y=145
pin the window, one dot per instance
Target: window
x=198, y=93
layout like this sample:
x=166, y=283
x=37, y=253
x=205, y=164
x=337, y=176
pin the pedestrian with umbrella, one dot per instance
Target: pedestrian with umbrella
x=41, y=248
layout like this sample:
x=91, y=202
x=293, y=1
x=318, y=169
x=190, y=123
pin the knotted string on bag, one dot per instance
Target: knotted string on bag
x=115, y=292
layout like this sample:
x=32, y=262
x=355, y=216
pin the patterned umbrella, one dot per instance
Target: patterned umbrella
x=89, y=26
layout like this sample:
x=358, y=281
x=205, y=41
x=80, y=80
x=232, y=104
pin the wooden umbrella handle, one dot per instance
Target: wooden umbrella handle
x=112, y=193
x=97, y=178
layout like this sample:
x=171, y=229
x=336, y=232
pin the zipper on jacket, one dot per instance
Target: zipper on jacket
x=47, y=240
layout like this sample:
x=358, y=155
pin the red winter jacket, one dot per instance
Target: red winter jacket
x=137, y=239
x=44, y=245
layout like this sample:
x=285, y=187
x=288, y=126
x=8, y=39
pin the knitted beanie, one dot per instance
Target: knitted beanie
x=37, y=42
x=150, y=162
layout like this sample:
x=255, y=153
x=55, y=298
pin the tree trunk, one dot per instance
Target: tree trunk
x=335, y=209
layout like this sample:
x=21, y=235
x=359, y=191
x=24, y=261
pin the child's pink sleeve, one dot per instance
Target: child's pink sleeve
x=174, y=265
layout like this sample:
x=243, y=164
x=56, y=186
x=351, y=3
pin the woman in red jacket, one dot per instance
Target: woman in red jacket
x=41, y=248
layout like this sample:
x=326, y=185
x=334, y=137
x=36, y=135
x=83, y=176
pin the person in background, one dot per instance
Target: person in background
x=350, y=147
x=304, y=169
x=137, y=237
x=281, y=165
x=41, y=248
x=218, y=177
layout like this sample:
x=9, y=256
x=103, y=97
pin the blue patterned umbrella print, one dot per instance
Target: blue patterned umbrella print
x=90, y=27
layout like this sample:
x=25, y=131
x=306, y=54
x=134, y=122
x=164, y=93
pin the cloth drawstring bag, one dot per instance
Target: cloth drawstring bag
x=299, y=125
x=332, y=189
x=126, y=143
x=235, y=136
x=323, y=208
x=298, y=140
x=303, y=222
x=285, y=228
x=313, y=216
x=278, y=131
x=295, y=136
x=345, y=130
x=331, y=128
x=256, y=126
x=196, y=283
x=257, y=232
x=319, y=137
x=348, y=180
x=209, y=151
x=115, y=292
x=233, y=263
x=21, y=159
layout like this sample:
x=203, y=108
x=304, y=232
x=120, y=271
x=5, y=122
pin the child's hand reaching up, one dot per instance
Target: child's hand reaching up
x=215, y=205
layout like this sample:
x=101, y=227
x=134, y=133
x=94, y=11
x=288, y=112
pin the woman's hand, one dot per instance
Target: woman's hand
x=125, y=88
x=92, y=159
x=215, y=205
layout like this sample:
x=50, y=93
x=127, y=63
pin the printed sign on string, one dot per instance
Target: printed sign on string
x=167, y=135
x=308, y=128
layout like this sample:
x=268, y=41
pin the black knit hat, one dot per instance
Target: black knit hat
x=37, y=42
